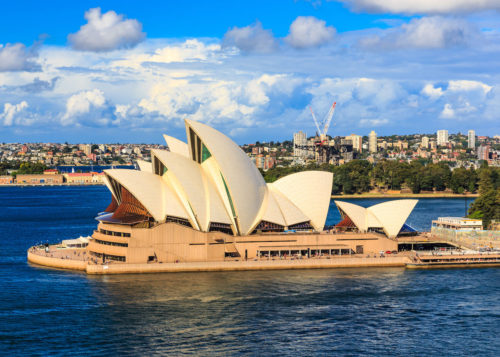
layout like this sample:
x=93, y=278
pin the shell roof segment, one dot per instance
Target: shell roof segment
x=309, y=190
x=245, y=184
x=290, y=212
x=145, y=187
x=189, y=176
x=390, y=215
x=393, y=214
x=145, y=166
x=177, y=146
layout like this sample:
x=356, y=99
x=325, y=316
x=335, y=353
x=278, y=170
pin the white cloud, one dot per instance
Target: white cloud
x=426, y=32
x=448, y=112
x=432, y=92
x=465, y=85
x=17, y=57
x=436, y=32
x=308, y=31
x=458, y=96
x=256, y=89
x=250, y=39
x=11, y=113
x=423, y=6
x=89, y=108
x=106, y=32
x=458, y=111
x=240, y=102
x=188, y=51
x=216, y=101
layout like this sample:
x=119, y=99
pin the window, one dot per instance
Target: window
x=104, y=242
x=266, y=226
x=205, y=154
x=220, y=227
x=301, y=226
x=159, y=168
x=178, y=220
x=104, y=257
x=112, y=233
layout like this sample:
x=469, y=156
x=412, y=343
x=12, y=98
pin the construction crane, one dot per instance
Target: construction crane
x=325, y=123
x=323, y=151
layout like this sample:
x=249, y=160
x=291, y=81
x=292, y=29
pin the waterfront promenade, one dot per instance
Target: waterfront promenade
x=78, y=259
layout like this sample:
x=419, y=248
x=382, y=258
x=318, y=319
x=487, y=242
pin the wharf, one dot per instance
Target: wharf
x=462, y=260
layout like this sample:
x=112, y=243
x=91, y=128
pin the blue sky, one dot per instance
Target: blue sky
x=123, y=71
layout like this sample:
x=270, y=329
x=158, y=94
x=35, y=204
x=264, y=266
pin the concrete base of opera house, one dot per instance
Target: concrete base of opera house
x=38, y=258
x=172, y=247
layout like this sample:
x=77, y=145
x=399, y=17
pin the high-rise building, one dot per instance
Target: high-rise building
x=357, y=142
x=372, y=142
x=425, y=142
x=86, y=148
x=471, y=139
x=442, y=137
x=299, y=139
x=483, y=152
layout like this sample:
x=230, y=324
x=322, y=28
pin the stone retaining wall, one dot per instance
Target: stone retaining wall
x=57, y=262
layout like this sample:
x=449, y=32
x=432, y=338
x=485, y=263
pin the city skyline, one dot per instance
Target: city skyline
x=106, y=68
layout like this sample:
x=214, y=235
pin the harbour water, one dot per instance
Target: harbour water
x=94, y=168
x=308, y=312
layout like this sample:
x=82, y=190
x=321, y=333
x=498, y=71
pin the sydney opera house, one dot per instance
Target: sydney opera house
x=204, y=200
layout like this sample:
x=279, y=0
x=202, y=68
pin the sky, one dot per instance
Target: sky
x=128, y=71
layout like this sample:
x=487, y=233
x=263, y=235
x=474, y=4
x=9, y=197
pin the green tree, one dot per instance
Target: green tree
x=352, y=177
x=487, y=205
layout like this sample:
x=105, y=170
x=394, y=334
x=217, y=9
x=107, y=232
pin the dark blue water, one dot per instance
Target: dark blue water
x=95, y=168
x=309, y=312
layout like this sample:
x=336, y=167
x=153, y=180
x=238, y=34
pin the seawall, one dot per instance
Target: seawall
x=56, y=262
x=248, y=265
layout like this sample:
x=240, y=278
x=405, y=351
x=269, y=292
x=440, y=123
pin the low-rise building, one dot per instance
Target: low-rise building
x=6, y=180
x=458, y=223
x=78, y=178
x=40, y=179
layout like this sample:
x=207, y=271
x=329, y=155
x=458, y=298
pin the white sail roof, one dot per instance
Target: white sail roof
x=356, y=213
x=291, y=213
x=245, y=184
x=273, y=211
x=145, y=166
x=390, y=215
x=217, y=211
x=188, y=174
x=150, y=190
x=309, y=190
x=177, y=146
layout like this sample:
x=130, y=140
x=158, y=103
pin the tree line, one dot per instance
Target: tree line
x=358, y=176
x=22, y=168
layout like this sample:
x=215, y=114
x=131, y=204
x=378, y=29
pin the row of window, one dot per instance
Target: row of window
x=111, y=243
x=112, y=233
x=178, y=220
x=104, y=257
